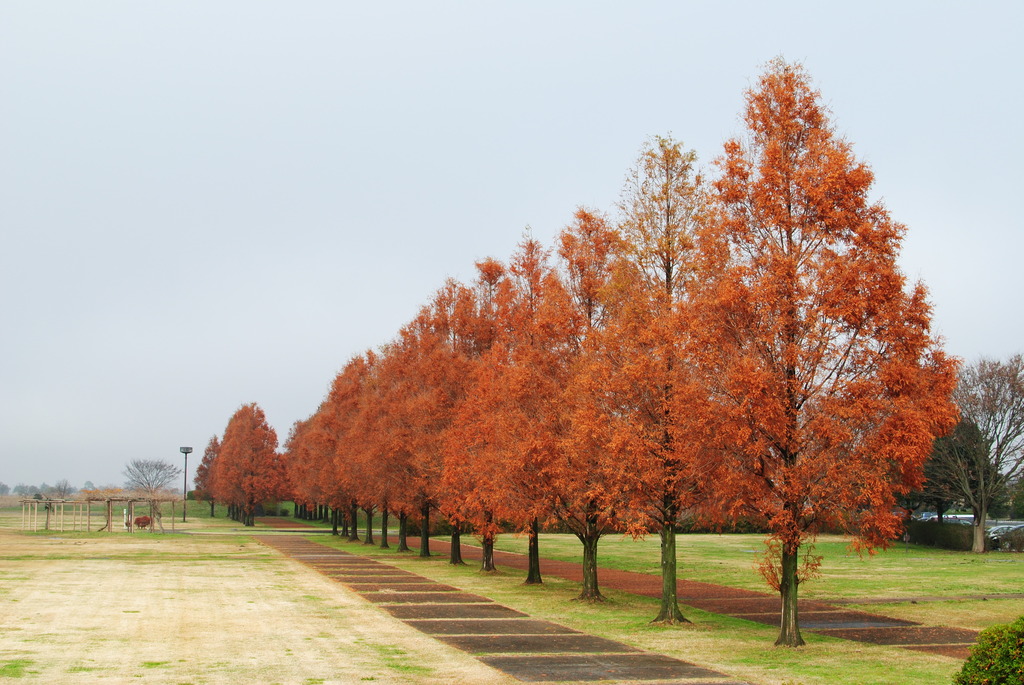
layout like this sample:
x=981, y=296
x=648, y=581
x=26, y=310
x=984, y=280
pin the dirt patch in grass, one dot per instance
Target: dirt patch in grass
x=913, y=635
x=425, y=586
x=543, y=644
x=954, y=651
x=339, y=572
x=489, y=626
x=614, y=666
x=451, y=611
x=750, y=605
x=422, y=597
x=820, y=620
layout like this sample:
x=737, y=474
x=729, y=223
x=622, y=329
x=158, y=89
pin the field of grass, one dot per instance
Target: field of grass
x=894, y=582
x=212, y=606
x=739, y=648
x=901, y=571
x=285, y=610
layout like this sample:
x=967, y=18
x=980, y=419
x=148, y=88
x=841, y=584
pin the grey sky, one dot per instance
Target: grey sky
x=204, y=204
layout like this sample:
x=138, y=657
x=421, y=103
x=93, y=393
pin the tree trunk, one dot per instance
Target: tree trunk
x=789, y=636
x=533, y=574
x=455, y=557
x=978, y=528
x=369, y=525
x=669, y=612
x=353, y=517
x=487, y=559
x=334, y=521
x=343, y=519
x=212, y=505
x=590, y=537
x=425, y=530
x=403, y=532
x=384, y=529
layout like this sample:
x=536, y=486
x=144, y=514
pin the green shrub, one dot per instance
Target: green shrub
x=997, y=658
x=945, y=535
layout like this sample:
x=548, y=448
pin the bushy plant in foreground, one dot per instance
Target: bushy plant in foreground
x=997, y=658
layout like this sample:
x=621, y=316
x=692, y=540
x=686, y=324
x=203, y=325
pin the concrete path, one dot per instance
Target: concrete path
x=525, y=648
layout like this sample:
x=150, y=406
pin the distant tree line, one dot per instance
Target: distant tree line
x=59, y=490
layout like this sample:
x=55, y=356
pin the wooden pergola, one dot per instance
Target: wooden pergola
x=81, y=513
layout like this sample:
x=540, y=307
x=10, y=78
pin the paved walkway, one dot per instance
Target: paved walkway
x=815, y=616
x=525, y=648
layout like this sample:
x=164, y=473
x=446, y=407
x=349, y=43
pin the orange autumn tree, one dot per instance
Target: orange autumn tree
x=304, y=469
x=471, y=484
x=310, y=457
x=387, y=420
x=408, y=418
x=434, y=351
x=583, y=474
x=662, y=205
x=203, y=482
x=531, y=371
x=345, y=445
x=383, y=456
x=502, y=434
x=248, y=470
x=825, y=387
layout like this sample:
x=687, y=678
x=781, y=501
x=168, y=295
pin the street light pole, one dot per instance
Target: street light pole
x=184, y=489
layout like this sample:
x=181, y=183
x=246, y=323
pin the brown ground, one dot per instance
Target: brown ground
x=151, y=609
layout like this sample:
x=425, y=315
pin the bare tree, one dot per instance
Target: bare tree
x=62, y=489
x=985, y=453
x=149, y=475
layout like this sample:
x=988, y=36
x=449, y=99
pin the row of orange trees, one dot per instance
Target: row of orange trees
x=743, y=346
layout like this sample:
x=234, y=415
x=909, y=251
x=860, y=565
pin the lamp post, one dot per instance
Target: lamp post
x=184, y=489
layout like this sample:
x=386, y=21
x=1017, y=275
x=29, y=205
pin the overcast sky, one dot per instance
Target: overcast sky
x=204, y=204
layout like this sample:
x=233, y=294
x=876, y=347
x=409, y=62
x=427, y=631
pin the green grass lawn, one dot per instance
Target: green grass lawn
x=898, y=572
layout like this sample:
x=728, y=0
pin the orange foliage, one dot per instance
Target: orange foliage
x=824, y=388
x=203, y=483
x=747, y=349
x=248, y=470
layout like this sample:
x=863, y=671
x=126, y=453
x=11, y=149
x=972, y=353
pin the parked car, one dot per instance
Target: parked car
x=997, y=534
